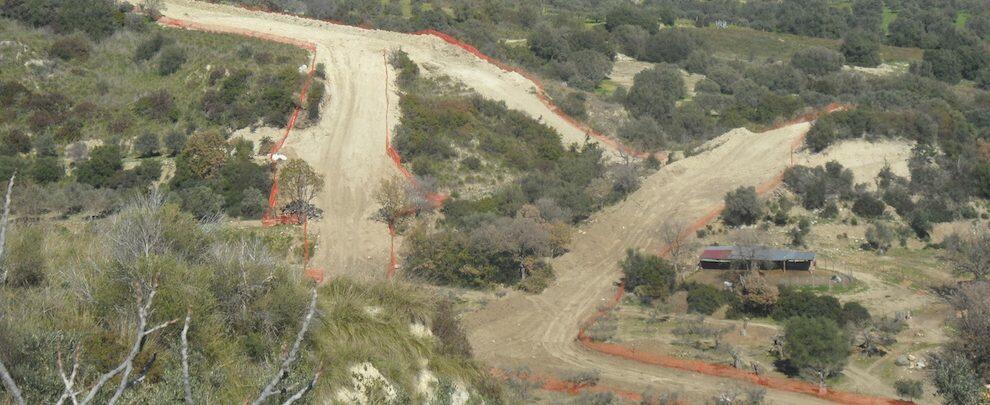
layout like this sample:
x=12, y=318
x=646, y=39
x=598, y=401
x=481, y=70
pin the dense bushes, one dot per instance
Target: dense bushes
x=798, y=303
x=705, y=299
x=742, y=207
x=817, y=60
x=816, y=186
x=97, y=18
x=649, y=277
x=654, y=92
x=241, y=97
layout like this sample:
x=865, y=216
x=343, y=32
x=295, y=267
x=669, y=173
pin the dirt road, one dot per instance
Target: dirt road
x=348, y=144
x=539, y=331
x=348, y=147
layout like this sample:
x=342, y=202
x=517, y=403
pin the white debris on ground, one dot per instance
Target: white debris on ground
x=420, y=330
x=372, y=310
x=365, y=379
x=427, y=386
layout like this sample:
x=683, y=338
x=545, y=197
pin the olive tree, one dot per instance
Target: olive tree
x=742, y=207
x=816, y=346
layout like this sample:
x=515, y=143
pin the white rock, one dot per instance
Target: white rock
x=420, y=330
x=365, y=376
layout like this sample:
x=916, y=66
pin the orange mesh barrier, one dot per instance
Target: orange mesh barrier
x=558, y=385
x=542, y=95
x=550, y=383
x=721, y=370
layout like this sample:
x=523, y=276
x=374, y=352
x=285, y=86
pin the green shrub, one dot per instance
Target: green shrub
x=175, y=141
x=627, y=14
x=313, y=100
x=861, y=49
x=70, y=47
x=158, y=105
x=654, y=92
x=104, y=161
x=201, y=201
x=817, y=60
x=704, y=299
x=573, y=104
x=15, y=141
x=448, y=330
x=146, y=145
x=868, y=206
x=171, y=60
x=25, y=262
x=47, y=170
x=909, y=388
x=742, y=207
x=649, y=277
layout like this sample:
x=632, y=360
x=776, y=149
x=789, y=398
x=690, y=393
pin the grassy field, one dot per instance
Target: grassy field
x=112, y=80
x=749, y=44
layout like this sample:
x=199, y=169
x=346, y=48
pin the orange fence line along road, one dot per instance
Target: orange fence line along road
x=722, y=370
x=546, y=382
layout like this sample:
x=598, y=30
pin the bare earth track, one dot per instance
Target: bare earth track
x=348, y=146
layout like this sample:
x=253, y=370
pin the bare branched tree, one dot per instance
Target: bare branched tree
x=138, y=230
x=8, y=381
x=186, y=386
x=142, y=331
x=290, y=358
x=3, y=228
x=678, y=244
x=69, y=380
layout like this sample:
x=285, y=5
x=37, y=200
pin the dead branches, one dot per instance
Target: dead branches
x=70, y=381
x=290, y=358
x=127, y=366
x=10, y=385
x=3, y=228
x=8, y=382
x=186, y=387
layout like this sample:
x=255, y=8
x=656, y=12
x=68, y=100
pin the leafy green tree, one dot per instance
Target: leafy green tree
x=670, y=46
x=861, y=49
x=704, y=299
x=203, y=155
x=817, y=60
x=655, y=92
x=104, y=161
x=627, y=14
x=147, y=144
x=742, y=207
x=649, y=277
x=47, y=170
x=298, y=181
x=868, y=206
x=906, y=30
x=175, y=141
x=909, y=388
x=816, y=345
x=880, y=237
x=945, y=64
x=201, y=201
x=955, y=380
x=171, y=60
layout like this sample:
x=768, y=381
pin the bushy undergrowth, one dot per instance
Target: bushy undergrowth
x=74, y=117
x=73, y=285
x=533, y=185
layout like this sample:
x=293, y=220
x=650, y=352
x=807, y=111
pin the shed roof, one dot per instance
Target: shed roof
x=729, y=253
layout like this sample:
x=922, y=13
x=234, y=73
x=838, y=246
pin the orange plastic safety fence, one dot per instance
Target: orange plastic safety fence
x=558, y=385
x=720, y=370
x=541, y=94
